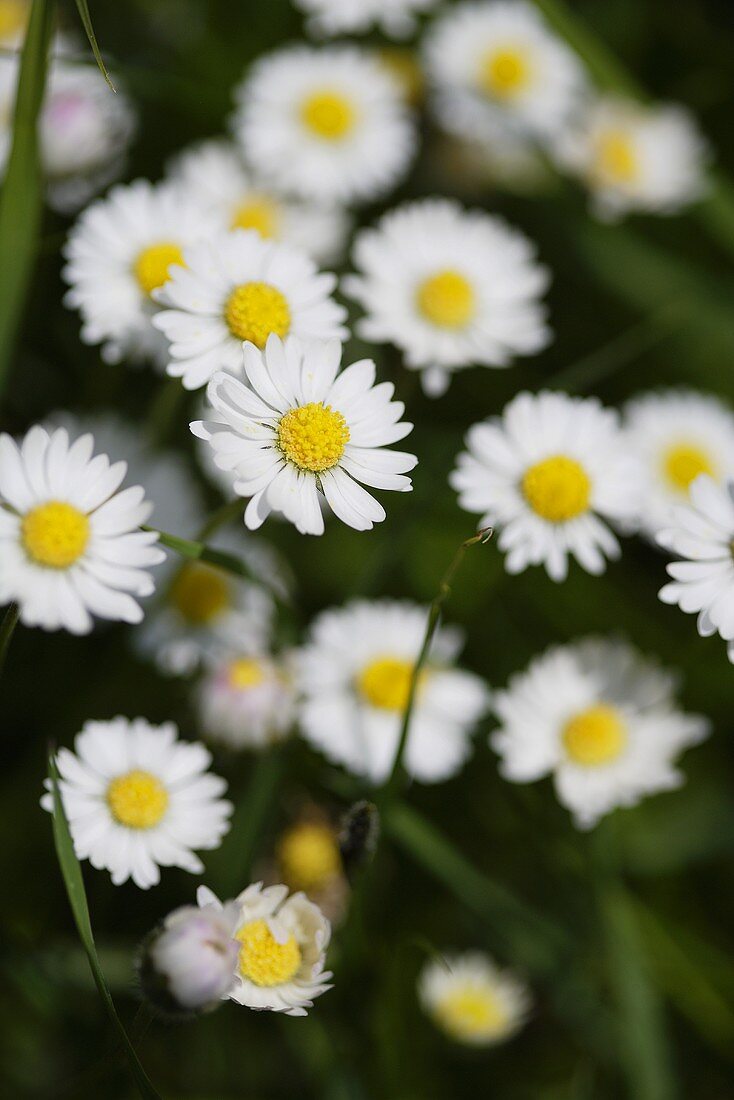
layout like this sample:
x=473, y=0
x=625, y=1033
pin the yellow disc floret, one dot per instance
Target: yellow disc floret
x=683, y=463
x=262, y=959
x=55, y=534
x=557, y=488
x=258, y=212
x=200, y=593
x=13, y=17
x=313, y=436
x=152, y=265
x=595, y=736
x=615, y=158
x=308, y=855
x=385, y=682
x=471, y=1012
x=446, y=299
x=329, y=115
x=137, y=800
x=504, y=73
x=254, y=310
x=245, y=673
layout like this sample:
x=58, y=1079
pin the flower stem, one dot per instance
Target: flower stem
x=10, y=619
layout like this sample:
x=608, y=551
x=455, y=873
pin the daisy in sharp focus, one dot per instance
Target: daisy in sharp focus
x=300, y=429
x=470, y=999
x=240, y=288
x=677, y=434
x=333, y=17
x=70, y=543
x=138, y=799
x=601, y=719
x=327, y=124
x=353, y=675
x=550, y=474
x=450, y=287
x=245, y=701
x=701, y=535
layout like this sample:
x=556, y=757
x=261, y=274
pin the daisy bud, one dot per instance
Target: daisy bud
x=358, y=838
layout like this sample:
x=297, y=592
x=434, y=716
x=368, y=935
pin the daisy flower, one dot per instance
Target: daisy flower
x=496, y=66
x=300, y=429
x=678, y=434
x=283, y=941
x=308, y=855
x=326, y=124
x=396, y=18
x=237, y=288
x=598, y=717
x=548, y=473
x=701, y=533
x=120, y=250
x=450, y=287
x=70, y=543
x=470, y=999
x=138, y=799
x=634, y=157
x=354, y=675
x=245, y=701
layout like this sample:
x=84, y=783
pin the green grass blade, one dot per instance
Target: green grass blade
x=7, y=626
x=199, y=551
x=74, y=883
x=86, y=19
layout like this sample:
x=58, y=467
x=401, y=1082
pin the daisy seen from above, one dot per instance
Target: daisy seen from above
x=471, y=1000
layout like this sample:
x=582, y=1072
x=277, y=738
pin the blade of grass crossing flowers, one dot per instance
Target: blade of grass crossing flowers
x=86, y=19
x=7, y=626
x=199, y=551
x=74, y=883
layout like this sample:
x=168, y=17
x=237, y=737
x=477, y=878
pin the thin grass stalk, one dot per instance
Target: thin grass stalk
x=7, y=627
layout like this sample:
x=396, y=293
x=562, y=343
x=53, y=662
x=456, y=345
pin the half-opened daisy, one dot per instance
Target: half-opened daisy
x=470, y=999
x=333, y=17
x=245, y=701
x=301, y=429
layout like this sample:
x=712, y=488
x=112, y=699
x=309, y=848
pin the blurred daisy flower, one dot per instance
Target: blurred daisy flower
x=677, y=434
x=283, y=941
x=332, y=17
x=471, y=1000
x=70, y=542
x=548, y=473
x=245, y=701
x=600, y=718
x=326, y=124
x=121, y=250
x=300, y=428
x=702, y=534
x=450, y=287
x=308, y=855
x=354, y=674
x=215, y=173
x=138, y=799
x=236, y=288
x=636, y=157
x=496, y=67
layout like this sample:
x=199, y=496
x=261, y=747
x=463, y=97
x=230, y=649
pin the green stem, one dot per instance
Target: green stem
x=232, y=871
x=198, y=551
x=8, y=625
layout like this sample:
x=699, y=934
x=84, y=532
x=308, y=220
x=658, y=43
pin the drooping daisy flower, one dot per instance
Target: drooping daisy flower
x=601, y=719
x=636, y=157
x=245, y=702
x=678, y=434
x=450, y=287
x=236, y=288
x=325, y=124
x=354, y=675
x=548, y=473
x=471, y=1000
x=122, y=249
x=333, y=17
x=138, y=799
x=214, y=172
x=702, y=534
x=496, y=66
x=70, y=543
x=283, y=941
x=301, y=429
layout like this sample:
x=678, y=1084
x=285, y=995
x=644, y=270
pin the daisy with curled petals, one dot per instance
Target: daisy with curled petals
x=701, y=535
x=333, y=17
x=283, y=940
x=138, y=799
x=70, y=544
x=120, y=250
x=470, y=999
x=237, y=288
x=601, y=719
x=450, y=287
x=327, y=124
x=550, y=473
x=301, y=429
x=354, y=676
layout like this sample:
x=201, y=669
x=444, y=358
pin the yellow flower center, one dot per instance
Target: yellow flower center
x=683, y=463
x=504, y=73
x=308, y=855
x=55, y=534
x=446, y=299
x=13, y=17
x=471, y=1012
x=260, y=213
x=245, y=673
x=385, y=682
x=151, y=266
x=595, y=736
x=263, y=960
x=200, y=593
x=138, y=800
x=615, y=158
x=329, y=115
x=254, y=310
x=313, y=436
x=557, y=488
